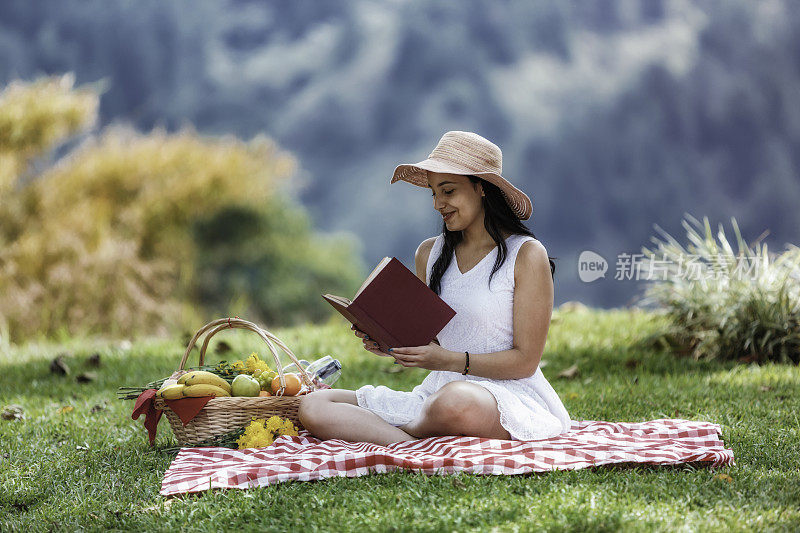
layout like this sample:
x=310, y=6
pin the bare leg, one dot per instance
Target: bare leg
x=459, y=408
x=335, y=414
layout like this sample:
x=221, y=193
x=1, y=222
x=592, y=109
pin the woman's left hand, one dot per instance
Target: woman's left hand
x=431, y=357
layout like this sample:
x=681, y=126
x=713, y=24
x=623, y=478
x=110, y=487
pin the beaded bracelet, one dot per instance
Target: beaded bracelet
x=466, y=367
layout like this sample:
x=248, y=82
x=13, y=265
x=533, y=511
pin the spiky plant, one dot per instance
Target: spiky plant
x=742, y=305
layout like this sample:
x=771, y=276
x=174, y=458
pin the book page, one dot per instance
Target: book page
x=374, y=273
x=341, y=299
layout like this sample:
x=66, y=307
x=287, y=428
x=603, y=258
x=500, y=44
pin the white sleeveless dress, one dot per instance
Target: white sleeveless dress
x=529, y=408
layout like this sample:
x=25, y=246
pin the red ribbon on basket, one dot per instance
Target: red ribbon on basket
x=185, y=408
x=144, y=404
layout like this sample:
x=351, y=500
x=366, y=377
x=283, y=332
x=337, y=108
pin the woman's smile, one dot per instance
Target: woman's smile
x=448, y=216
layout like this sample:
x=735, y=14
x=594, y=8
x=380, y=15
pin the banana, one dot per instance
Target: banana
x=204, y=389
x=201, y=377
x=171, y=392
x=169, y=382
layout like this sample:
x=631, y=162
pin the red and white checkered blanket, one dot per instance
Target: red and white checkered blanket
x=588, y=443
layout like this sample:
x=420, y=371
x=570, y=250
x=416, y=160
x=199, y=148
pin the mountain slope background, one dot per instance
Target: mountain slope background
x=613, y=115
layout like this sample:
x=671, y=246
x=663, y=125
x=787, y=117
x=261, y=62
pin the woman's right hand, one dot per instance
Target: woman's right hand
x=369, y=344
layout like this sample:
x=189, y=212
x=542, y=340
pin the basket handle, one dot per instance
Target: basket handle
x=235, y=322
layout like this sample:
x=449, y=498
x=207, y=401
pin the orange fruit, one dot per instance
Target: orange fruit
x=265, y=393
x=293, y=385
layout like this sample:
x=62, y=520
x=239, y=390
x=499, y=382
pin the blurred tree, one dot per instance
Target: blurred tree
x=113, y=238
x=268, y=264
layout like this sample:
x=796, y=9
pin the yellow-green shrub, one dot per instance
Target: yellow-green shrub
x=36, y=116
x=106, y=240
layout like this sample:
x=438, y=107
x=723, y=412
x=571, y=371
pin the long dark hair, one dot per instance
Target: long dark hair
x=498, y=217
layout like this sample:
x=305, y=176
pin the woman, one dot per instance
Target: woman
x=485, y=379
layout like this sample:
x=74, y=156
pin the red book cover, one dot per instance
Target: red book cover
x=394, y=307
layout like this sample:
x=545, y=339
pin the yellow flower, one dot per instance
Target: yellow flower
x=261, y=433
x=288, y=428
x=254, y=363
x=255, y=436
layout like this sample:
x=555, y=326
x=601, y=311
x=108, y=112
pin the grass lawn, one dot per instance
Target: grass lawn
x=77, y=460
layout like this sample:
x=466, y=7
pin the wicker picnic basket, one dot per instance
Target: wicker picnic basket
x=222, y=415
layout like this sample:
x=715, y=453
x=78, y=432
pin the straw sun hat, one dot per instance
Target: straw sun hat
x=465, y=153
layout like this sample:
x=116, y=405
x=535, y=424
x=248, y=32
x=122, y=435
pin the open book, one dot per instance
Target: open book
x=394, y=307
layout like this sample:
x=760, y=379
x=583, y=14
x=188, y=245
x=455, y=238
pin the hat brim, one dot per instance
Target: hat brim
x=417, y=174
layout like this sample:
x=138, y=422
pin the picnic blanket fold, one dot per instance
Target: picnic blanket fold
x=588, y=443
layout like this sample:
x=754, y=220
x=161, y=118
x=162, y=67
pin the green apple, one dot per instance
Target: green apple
x=244, y=385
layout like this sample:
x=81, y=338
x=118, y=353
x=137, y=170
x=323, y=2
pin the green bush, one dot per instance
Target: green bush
x=742, y=305
x=268, y=265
